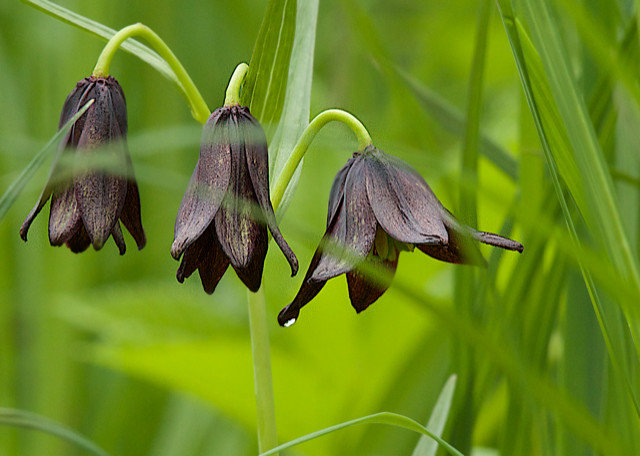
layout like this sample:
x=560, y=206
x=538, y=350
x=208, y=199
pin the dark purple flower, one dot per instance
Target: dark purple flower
x=87, y=207
x=226, y=208
x=379, y=206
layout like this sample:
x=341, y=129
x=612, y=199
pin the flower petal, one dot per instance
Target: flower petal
x=130, y=214
x=350, y=235
x=206, y=255
x=308, y=291
x=402, y=202
x=365, y=287
x=80, y=241
x=64, y=216
x=457, y=250
x=255, y=144
x=101, y=194
x=118, y=238
x=337, y=189
x=498, y=241
x=207, y=186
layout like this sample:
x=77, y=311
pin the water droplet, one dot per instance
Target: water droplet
x=289, y=322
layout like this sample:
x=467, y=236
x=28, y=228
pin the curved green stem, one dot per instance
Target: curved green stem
x=199, y=109
x=267, y=436
x=232, y=96
x=330, y=115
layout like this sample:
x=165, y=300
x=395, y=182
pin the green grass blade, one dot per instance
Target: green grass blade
x=295, y=113
x=19, y=418
x=266, y=83
x=25, y=176
x=437, y=420
x=141, y=51
x=391, y=419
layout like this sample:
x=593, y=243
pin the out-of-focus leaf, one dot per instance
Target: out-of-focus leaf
x=18, y=185
x=266, y=83
x=19, y=418
x=437, y=420
x=450, y=118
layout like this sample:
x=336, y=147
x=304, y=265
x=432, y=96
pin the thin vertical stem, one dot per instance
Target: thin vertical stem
x=267, y=436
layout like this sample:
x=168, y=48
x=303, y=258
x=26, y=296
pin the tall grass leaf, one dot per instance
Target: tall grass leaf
x=437, y=420
x=25, y=176
x=19, y=418
x=295, y=114
x=141, y=51
x=391, y=419
x=266, y=82
x=553, y=137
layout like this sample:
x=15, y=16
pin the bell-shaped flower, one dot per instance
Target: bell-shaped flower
x=226, y=208
x=88, y=203
x=379, y=206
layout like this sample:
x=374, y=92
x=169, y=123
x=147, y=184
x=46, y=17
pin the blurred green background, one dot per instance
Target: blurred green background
x=117, y=349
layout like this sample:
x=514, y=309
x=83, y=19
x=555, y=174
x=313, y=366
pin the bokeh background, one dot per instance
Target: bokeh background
x=115, y=348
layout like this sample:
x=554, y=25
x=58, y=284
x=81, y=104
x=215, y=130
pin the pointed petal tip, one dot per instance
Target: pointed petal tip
x=500, y=241
x=294, y=266
x=176, y=250
x=288, y=316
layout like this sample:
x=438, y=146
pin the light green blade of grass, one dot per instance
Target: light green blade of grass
x=19, y=418
x=14, y=190
x=438, y=419
x=551, y=136
x=391, y=419
x=141, y=51
x=266, y=82
x=295, y=113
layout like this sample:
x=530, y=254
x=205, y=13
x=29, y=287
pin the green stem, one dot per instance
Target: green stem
x=232, y=97
x=330, y=115
x=267, y=437
x=199, y=109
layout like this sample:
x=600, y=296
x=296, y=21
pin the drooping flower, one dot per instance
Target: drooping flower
x=88, y=206
x=226, y=208
x=379, y=206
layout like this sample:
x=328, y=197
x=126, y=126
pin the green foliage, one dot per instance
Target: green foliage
x=541, y=100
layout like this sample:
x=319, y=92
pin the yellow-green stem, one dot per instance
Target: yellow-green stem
x=267, y=436
x=199, y=109
x=330, y=115
x=232, y=96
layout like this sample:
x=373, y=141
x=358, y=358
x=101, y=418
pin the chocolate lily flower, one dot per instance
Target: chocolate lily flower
x=379, y=206
x=226, y=208
x=88, y=207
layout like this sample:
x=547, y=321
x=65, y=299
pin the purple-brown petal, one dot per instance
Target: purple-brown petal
x=404, y=205
x=130, y=214
x=309, y=289
x=351, y=233
x=207, y=186
x=206, y=255
x=255, y=144
x=64, y=216
x=337, y=189
x=101, y=194
x=498, y=241
x=366, y=286
x=118, y=238
x=80, y=241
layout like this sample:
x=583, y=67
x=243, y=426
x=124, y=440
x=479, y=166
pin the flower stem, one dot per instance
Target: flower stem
x=267, y=437
x=199, y=109
x=232, y=96
x=364, y=140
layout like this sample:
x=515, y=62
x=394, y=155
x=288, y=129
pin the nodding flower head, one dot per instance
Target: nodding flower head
x=226, y=208
x=378, y=207
x=88, y=203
